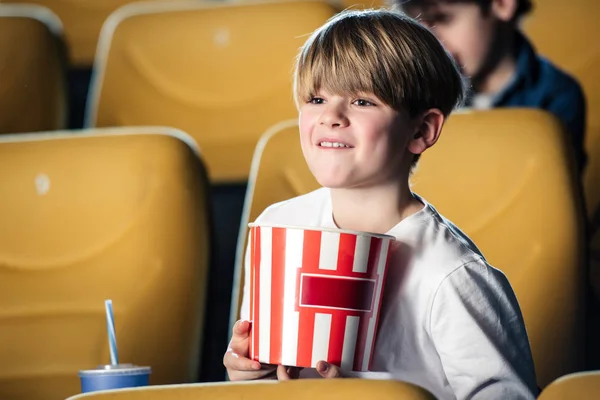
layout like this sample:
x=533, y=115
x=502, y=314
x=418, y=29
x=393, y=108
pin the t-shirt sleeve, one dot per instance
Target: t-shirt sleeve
x=479, y=334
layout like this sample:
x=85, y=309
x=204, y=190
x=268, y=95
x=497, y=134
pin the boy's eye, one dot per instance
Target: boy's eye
x=363, y=103
x=316, y=100
x=437, y=19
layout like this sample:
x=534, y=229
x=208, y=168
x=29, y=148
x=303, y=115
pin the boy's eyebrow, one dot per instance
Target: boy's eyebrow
x=369, y=95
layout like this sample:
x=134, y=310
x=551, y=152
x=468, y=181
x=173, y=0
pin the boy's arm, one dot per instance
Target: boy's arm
x=479, y=334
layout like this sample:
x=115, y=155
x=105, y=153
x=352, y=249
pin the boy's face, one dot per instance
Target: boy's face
x=466, y=31
x=353, y=141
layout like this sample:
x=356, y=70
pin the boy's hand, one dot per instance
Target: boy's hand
x=239, y=366
x=327, y=370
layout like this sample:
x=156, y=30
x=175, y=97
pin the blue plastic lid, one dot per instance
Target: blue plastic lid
x=120, y=369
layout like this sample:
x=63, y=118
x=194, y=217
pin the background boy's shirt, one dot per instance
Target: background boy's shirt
x=449, y=322
x=540, y=84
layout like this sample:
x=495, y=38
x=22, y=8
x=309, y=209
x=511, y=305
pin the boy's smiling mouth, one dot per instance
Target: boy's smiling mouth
x=334, y=144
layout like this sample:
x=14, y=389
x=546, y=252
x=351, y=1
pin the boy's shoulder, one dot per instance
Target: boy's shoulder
x=304, y=210
x=560, y=78
x=549, y=78
x=444, y=258
x=438, y=244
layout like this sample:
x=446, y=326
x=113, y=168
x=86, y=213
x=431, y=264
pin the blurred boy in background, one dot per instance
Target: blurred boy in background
x=504, y=68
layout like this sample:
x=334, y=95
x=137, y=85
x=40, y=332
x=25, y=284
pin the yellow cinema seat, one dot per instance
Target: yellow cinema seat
x=563, y=32
x=221, y=72
x=86, y=216
x=321, y=389
x=82, y=21
x=506, y=178
x=580, y=386
x=33, y=82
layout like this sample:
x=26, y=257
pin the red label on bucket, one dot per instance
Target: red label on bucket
x=352, y=294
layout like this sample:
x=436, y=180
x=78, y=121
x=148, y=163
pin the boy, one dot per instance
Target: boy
x=505, y=71
x=373, y=89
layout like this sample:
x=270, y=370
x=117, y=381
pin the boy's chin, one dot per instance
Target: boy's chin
x=334, y=182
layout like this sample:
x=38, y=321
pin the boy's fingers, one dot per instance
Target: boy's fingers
x=241, y=329
x=237, y=362
x=248, y=376
x=327, y=370
x=282, y=373
x=264, y=371
x=286, y=373
x=239, y=340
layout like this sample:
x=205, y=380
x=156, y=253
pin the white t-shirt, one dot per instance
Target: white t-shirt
x=449, y=321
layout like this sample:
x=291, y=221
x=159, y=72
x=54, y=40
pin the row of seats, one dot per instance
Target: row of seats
x=581, y=386
x=83, y=20
x=194, y=64
x=148, y=79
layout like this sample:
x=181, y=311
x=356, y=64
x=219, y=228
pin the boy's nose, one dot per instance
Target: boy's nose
x=333, y=117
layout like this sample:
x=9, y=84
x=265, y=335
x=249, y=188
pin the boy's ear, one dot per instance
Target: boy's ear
x=504, y=10
x=428, y=129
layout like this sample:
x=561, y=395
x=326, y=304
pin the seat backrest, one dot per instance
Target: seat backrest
x=580, y=386
x=319, y=389
x=82, y=21
x=220, y=71
x=33, y=85
x=504, y=176
x=86, y=216
x=561, y=31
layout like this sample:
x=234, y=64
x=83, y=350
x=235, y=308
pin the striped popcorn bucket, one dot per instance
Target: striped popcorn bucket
x=315, y=295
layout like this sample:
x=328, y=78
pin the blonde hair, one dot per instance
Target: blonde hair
x=381, y=52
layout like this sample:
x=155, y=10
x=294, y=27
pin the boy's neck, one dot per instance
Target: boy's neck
x=373, y=209
x=504, y=67
x=499, y=78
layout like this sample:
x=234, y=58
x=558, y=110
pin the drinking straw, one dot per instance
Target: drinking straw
x=112, y=338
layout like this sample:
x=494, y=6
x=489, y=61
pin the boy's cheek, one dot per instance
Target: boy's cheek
x=306, y=129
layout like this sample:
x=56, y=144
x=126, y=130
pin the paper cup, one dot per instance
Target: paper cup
x=107, y=377
x=315, y=295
